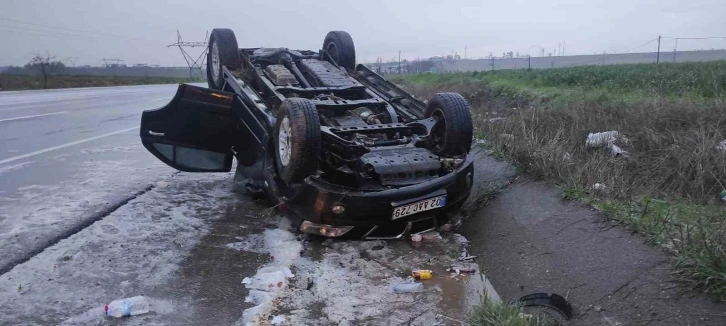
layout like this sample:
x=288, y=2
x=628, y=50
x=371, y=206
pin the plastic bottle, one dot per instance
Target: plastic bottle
x=723, y=195
x=407, y=287
x=462, y=270
x=127, y=307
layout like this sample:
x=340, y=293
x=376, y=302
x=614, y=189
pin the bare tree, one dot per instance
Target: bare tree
x=46, y=65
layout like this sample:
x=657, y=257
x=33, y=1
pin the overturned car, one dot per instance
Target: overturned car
x=338, y=148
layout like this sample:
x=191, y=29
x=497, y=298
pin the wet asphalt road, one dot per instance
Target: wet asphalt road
x=72, y=157
x=65, y=156
x=32, y=121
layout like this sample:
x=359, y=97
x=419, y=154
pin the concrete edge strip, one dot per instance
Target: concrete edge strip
x=80, y=226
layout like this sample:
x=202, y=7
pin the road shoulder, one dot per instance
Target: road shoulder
x=531, y=241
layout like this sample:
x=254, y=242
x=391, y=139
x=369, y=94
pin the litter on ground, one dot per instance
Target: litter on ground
x=599, y=139
x=721, y=146
x=278, y=320
x=607, y=139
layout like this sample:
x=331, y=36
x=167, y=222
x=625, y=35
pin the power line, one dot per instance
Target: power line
x=640, y=46
x=50, y=29
x=63, y=34
x=697, y=38
x=45, y=32
x=624, y=52
x=675, y=46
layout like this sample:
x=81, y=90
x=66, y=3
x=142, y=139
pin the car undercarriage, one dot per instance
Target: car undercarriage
x=334, y=144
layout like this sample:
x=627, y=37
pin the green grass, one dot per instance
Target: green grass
x=693, y=234
x=692, y=79
x=23, y=82
x=491, y=313
x=673, y=116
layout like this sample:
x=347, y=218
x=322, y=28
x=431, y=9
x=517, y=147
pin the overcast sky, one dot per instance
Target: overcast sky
x=137, y=31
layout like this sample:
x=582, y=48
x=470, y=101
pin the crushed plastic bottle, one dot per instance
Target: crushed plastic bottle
x=278, y=320
x=721, y=146
x=407, y=287
x=461, y=270
x=723, y=195
x=127, y=307
x=598, y=139
x=607, y=139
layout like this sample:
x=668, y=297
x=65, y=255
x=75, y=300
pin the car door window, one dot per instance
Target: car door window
x=192, y=158
x=199, y=159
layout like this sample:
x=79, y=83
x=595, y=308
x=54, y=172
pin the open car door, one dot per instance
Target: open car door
x=195, y=132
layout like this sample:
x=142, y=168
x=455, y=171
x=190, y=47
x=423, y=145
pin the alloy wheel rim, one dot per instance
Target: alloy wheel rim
x=215, y=60
x=283, y=141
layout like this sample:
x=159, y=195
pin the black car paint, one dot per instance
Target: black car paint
x=215, y=113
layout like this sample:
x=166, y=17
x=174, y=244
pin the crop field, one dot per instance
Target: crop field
x=700, y=79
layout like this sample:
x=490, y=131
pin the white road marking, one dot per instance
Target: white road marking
x=20, y=157
x=32, y=116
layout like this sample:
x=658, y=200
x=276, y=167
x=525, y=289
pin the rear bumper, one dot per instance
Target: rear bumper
x=370, y=212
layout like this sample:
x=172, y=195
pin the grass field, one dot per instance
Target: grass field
x=692, y=79
x=672, y=118
x=23, y=82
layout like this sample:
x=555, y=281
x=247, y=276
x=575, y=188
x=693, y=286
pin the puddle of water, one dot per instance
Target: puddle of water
x=344, y=281
x=459, y=293
x=351, y=281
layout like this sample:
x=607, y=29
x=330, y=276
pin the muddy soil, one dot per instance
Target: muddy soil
x=529, y=240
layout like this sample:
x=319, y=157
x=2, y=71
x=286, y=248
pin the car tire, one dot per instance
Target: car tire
x=222, y=52
x=452, y=134
x=340, y=46
x=297, y=140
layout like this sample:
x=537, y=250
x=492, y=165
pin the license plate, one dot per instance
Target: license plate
x=419, y=206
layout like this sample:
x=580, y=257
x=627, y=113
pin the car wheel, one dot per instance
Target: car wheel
x=223, y=51
x=297, y=140
x=453, y=131
x=341, y=49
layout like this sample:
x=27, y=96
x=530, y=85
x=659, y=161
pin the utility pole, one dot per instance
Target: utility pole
x=465, y=51
x=657, y=58
x=563, y=47
x=72, y=61
x=197, y=63
x=675, y=49
x=399, y=62
x=492, y=63
x=111, y=62
x=529, y=61
x=108, y=63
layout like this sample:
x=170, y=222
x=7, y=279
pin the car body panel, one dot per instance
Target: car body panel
x=239, y=121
